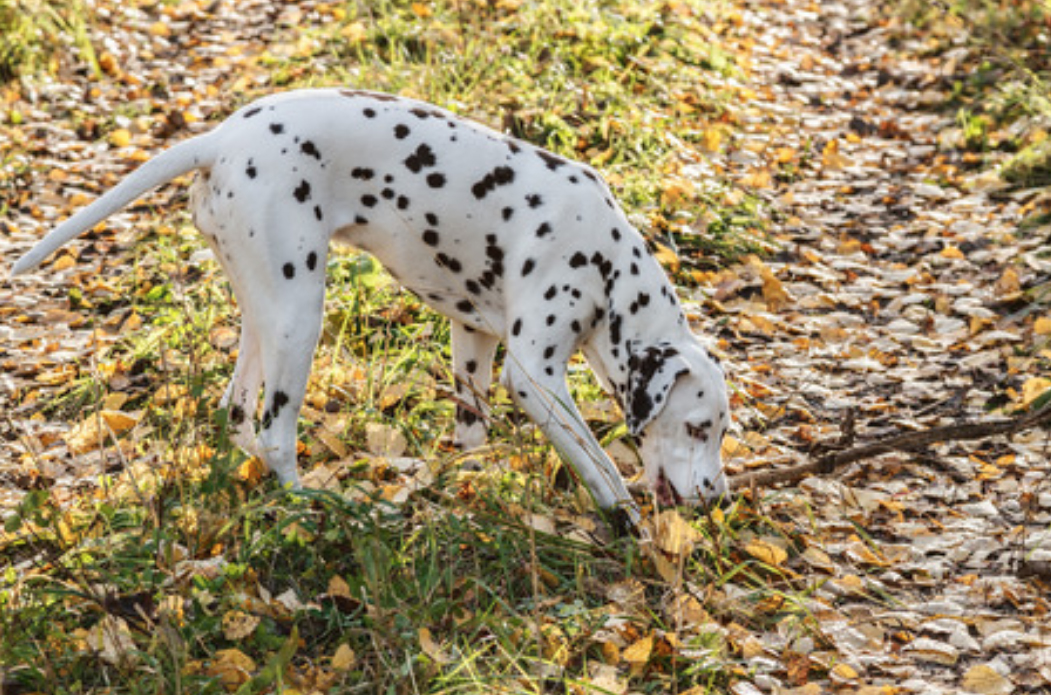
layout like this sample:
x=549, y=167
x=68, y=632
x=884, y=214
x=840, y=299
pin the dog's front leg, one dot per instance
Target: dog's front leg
x=472, y=353
x=539, y=388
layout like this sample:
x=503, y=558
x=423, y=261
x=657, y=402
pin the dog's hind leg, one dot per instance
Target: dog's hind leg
x=293, y=324
x=241, y=399
x=472, y=353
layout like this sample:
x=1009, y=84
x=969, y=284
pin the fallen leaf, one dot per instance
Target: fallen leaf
x=673, y=534
x=431, y=648
x=766, y=552
x=985, y=680
x=344, y=659
x=237, y=625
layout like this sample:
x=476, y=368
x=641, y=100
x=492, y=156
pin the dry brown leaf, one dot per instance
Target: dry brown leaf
x=237, y=625
x=344, y=659
x=766, y=552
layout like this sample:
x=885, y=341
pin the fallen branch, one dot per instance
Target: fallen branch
x=961, y=432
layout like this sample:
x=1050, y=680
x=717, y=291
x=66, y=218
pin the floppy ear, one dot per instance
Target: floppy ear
x=652, y=371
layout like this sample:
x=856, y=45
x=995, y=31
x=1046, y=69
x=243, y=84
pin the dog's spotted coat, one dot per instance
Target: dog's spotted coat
x=511, y=242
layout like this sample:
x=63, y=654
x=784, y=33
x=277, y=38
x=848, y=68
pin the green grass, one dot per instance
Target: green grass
x=34, y=32
x=433, y=575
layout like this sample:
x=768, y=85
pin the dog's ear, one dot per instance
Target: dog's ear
x=652, y=371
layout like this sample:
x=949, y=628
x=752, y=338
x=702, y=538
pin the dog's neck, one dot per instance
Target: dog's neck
x=641, y=309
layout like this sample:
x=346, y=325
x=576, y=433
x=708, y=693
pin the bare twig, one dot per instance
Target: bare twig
x=961, y=432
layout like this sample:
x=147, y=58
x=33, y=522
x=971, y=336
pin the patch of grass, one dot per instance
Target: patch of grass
x=34, y=32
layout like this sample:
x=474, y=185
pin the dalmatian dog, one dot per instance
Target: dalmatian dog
x=513, y=243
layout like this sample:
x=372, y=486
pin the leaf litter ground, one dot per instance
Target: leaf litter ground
x=893, y=299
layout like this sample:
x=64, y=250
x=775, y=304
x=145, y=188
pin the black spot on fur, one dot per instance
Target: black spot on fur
x=528, y=266
x=517, y=327
x=369, y=200
x=369, y=113
x=289, y=270
x=237, y=414
x=311, y=260
x=302, y=192
x=387, y=193
x=465, y=306
x=436, y=180
x=277, y=128
x=251, y=171
x=551, y=293
x=471, y=366
x=506, y=213
x=403, y=202
x=431, y=218
x=430, y=237
x=362, y=173
x=249, y=114
x=616, y=234
x=500, y=176
x=447, y=262
x=553, y=162
x=578, y=260
x=401, y=131
x=317, y=213
x=551, y=319
x=543, y=230
x=576, y=326
x=422, y=158
x=534, y=200
x=310, y=149
x=473, y=287
x=549, y=352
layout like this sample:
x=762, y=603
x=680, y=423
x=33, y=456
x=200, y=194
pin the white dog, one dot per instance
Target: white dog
x=511, y=242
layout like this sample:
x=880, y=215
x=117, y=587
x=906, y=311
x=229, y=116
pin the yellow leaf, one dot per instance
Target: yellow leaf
x=1042, y=326
x=432, y=648
x=844, y=672
x=232, y=666
x=354, y=33
x=666, y=257
x=120, y=137
x=674, y=535
x=757, y=178
x=1033, y=388
x=64, y=262
x=675, y=192
x=985, y=680
x=952, y=252
x=556, y=644
x=160, y=29
x=344, y=658
x=766, y=552
x=638, y=654
x=711, y=139
x=421, y=10
x=831, y=157
x=117, y=421
x=252, y=470
x=337, y=586
x=237, y=625
x=1009, y=284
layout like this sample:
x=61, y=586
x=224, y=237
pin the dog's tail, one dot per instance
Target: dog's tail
x=195, y=153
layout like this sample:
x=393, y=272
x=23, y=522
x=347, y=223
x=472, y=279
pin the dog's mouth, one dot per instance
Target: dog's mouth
x=667, y=495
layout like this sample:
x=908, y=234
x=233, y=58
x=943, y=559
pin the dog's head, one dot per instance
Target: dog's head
x=676, y=405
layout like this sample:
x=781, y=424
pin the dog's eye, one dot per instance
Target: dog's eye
x=699, y=431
